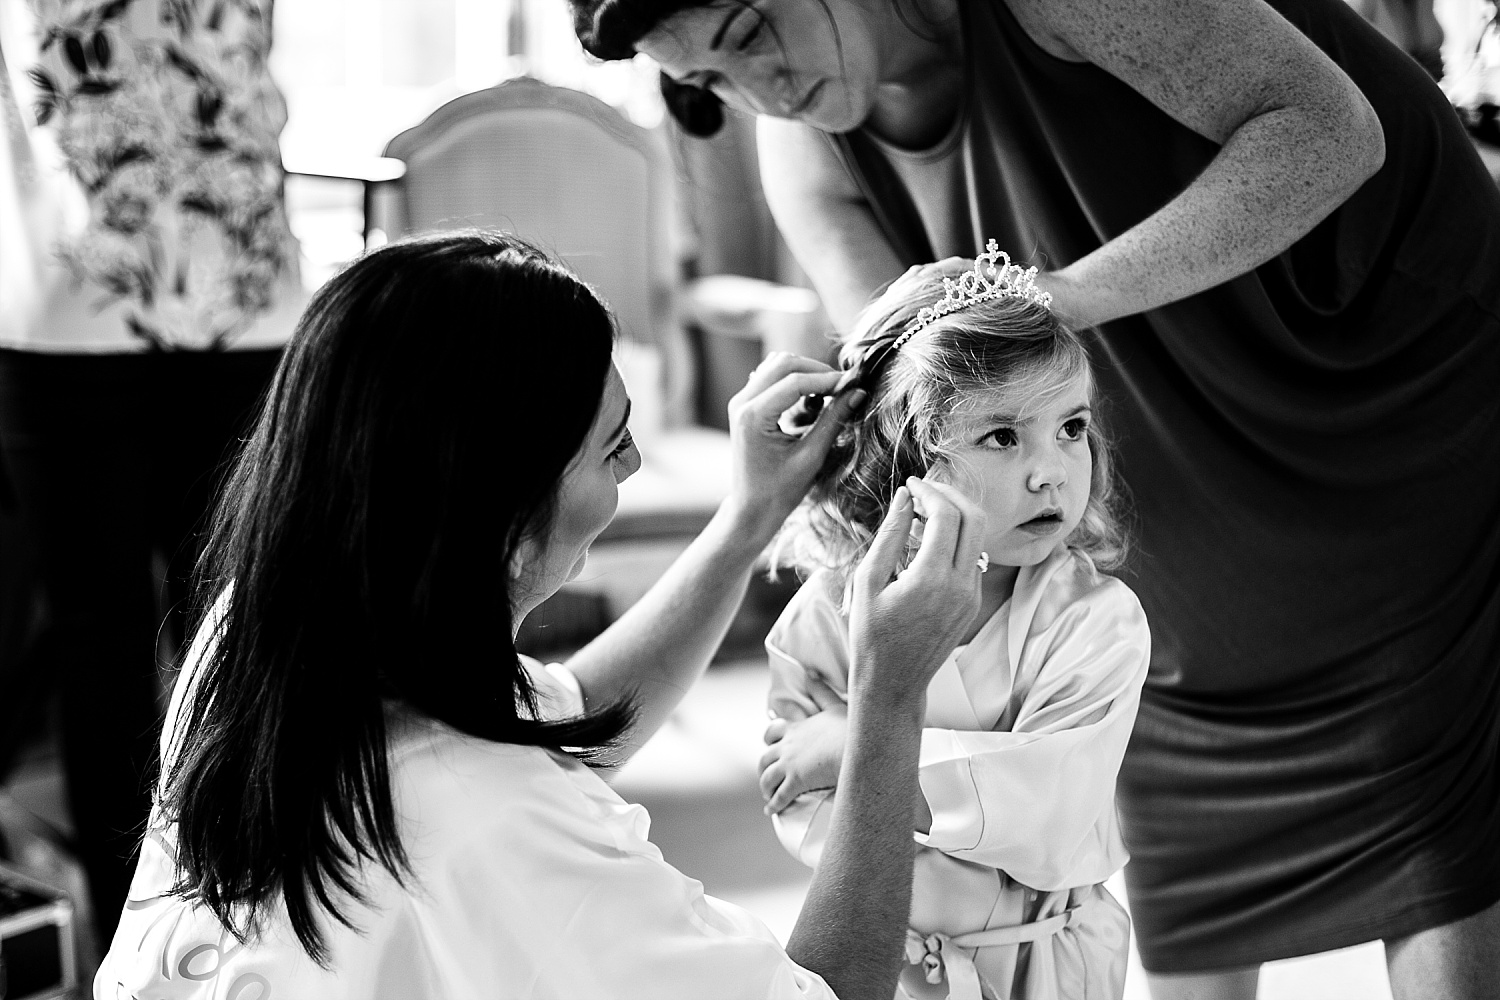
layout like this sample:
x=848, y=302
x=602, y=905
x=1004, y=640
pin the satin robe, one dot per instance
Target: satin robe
x=531, y=879
x=1026, y=726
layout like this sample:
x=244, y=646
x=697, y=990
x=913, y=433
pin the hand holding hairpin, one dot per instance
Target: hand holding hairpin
x=798, y=420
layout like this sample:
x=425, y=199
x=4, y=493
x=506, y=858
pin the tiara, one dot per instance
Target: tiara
x=989, y=280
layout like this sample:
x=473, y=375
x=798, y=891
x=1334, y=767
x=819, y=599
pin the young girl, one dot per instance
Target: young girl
x=973, y=380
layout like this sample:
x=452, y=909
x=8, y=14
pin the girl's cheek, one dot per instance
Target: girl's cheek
x=961, y=476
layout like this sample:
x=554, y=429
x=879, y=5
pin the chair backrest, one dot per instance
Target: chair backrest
x=561, y=169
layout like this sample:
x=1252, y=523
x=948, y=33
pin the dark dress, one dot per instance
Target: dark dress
x=1313, y=452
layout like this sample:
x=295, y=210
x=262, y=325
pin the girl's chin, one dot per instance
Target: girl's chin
x=1032, y=554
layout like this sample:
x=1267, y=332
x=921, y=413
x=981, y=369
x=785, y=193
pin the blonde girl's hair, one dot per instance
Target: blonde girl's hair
x=1012, y=345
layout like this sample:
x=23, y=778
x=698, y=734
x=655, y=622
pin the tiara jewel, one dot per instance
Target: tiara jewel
x=990, y=279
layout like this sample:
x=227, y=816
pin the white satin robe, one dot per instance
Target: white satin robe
x=1026, y=728
x=531, y=879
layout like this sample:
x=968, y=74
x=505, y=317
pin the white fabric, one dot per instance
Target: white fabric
x=1026, y=728
x=533, y=879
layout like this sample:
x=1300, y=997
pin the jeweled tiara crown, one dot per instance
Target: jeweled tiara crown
x=989, y=280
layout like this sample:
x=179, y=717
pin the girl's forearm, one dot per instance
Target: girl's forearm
x=853, y=923
x=660, y=647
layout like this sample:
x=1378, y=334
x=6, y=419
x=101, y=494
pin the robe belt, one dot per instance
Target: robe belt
x=941, y=952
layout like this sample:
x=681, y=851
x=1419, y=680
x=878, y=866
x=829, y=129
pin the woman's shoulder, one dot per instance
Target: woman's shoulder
x=451, y=787
x=440, y=767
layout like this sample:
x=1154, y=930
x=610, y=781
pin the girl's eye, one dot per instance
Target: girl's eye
x=751, y=36
x=1075, y=429
x=626, y=441
x=1002, y=437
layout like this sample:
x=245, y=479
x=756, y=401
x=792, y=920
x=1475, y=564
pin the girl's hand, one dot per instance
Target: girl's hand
x=804, y=754
x=902, y=628
x=773, y=470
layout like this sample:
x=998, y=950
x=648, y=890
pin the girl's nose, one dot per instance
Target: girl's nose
x=1048, y=474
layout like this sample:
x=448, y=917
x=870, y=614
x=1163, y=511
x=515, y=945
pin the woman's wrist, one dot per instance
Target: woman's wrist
x=894, y=693
x=1072, y=301
x=745, y=528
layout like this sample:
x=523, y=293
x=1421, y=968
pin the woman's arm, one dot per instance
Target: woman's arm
x=823, y=217
x=901, y=630
x=1297, y=138
x=658, y=649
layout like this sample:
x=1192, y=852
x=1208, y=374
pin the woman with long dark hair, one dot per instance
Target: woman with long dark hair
x=366, y=792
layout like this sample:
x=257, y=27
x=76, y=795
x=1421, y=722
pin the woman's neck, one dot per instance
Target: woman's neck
x=922, y=72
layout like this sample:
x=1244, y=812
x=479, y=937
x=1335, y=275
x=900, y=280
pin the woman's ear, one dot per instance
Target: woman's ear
x=524, y=555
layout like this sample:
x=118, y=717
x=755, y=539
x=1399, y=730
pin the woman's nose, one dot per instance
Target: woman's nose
x=772, y=87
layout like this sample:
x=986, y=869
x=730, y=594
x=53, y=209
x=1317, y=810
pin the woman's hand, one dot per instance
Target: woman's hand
x=773, y=470
x=902, y=628
x=804, y=754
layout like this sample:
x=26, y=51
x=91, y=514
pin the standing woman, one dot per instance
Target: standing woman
x=148, y=280
x=1292, y=258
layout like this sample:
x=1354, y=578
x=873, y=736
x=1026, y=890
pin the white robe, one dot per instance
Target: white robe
x=533, y=879
x=1026, y=726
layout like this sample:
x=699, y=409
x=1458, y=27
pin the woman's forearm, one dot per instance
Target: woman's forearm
x=901, y=629
x=853, y=923
x=659, y=648
x=1296, y=138
x=1277, y=177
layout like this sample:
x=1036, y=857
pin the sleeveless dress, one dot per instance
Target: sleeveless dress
x=1313, y=452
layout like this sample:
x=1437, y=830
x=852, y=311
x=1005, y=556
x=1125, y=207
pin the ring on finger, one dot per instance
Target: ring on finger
x=983, y=562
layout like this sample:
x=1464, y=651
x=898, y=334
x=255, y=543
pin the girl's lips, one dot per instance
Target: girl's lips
x=1043, y=524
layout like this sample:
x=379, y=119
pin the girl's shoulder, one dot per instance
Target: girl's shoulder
x=1071, y=586
x=812, y=632
x=818, y=605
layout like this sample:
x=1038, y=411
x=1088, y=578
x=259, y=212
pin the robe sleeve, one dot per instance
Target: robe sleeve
x=541, y=879
x=809, y=639
x=1038, y=801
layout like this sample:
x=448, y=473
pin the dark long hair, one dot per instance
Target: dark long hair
x=416, y=431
